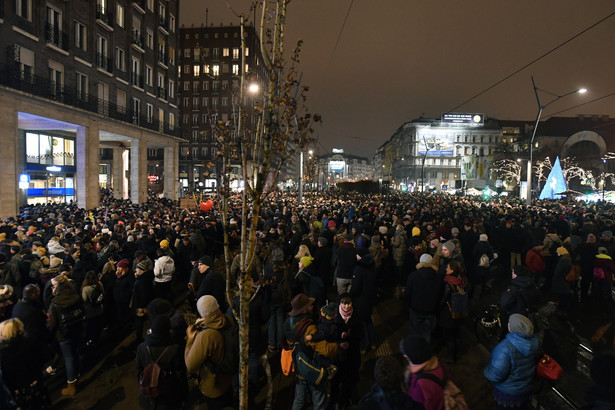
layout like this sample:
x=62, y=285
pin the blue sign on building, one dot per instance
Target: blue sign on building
x=51, y=191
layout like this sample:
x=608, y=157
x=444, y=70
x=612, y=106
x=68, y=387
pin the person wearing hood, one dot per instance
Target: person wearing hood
x=159, y=344
x=67, y=299
x=421, y=359
x=560, y=287
x=453, y=281
x=512, y=365
x=204, y=345
x=363, y=291
x=521, y=295
x=423, y=291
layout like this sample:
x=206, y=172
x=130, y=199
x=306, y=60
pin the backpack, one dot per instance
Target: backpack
x=154, y=380
x=72, y=320
x=307, y=363
x=230, y=360
x=599, y=274
x=453, y=397
x=484, y=261
x=286, y=358
x=459, y=305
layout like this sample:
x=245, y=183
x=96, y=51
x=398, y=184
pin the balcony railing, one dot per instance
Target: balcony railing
x=162, y=58
x=136, y=38
x=45, y=88
x=163, y=23
x=162, y=93
x=104, y=15
x=55, y=36
x=104, y=62
x=136, y=80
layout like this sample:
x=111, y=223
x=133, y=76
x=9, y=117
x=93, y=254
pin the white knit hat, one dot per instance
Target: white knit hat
x=206, y=305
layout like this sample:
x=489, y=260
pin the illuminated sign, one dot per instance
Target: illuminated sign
x=436, y=145
x=24, y=181
x=53, y=169
x=462, y=118
x=337, y=166
x=50, y=191
x=152, y=178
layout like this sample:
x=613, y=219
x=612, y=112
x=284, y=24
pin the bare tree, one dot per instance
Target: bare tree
x=507, y=170
x=282, y=129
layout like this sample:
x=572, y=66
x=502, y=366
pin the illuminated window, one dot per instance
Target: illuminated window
x=216, y=70
x=205, y=68
x=225, y=52
x=235, y=53
x=197, y=53
x=197, y=70
x=235, y=69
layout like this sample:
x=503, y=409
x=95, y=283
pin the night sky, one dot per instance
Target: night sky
x=398, y=60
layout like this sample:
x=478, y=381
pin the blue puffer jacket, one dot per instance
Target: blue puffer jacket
x=513, y=364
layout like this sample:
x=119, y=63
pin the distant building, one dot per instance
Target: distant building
x=81, y=81
x=211, y=64
x=338, y=166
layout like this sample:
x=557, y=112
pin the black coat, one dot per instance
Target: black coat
x=364, y=287
x=213, y=284
x=322, y=262
x=21, y=361
x=143, y=290
x=423, y=289
x=34, y=318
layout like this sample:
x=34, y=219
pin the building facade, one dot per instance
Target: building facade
x=338, y=166
x=82, y=78
x=211, y=68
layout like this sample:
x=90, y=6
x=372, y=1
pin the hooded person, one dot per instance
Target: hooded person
x=512, y=365
x=159, y=345
x=364, y=290
x=420, y=359
x=204, y=345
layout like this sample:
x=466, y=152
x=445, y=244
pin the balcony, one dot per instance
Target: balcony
x=136, y=80
x=42, y=87
x=139, y=5
x=162, y=58
x=55, y=36
x=104, y=16
x=137, y=39
x=163, y=24
x=104, y=62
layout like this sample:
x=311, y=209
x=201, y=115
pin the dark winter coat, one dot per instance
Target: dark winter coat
x=346, y=260
x=363, y=288
x=559, y=283
x=65, y=300
x=322, y=262
x=22, y=361
x=143, y=290
x=34, y=318
x=378, y=398
x=423, y=289
x=513, y=364
x=518, y=297
x=213, y=284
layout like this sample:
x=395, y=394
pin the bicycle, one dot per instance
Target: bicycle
x=488, y=327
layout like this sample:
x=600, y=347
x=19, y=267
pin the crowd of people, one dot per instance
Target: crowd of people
x=70, y=278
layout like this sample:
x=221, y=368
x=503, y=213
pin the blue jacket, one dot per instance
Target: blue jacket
x=513, y=364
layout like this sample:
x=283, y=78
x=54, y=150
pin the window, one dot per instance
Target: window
x=171, y=56
x=150, y=113
x=121, y=101
x=224, y=101
x=160, y=119
x=171, y=89
x=150, y=39
x=225, y=52
x=187, y=69
x=150, y=5
x=205, y=52
x=197, y=70
x=204, y=152
x=81, y=38
x=197, y=53
x=195, y=119
x=214, y=103
x=23, y=9
x=225, y=68
x=186, y=86
x=215, y=86
x=136, y=76
x=195, y=103
x=205, y=85
x=171, y=121
x=225, y=85
x=204, y=118
x=53, y=30
x=161, y=85
x=205, y=68
x=102, y=93
x=162, y=12
x=120, y=59
x=235, y=53
x=205, y=101
x=171, y=23
x=186, y=119
x=216, y=53
x=186, y=53
x=216, y=70
x=149, y=76
x=247, y=51
x=186, y=102
x=82, y=87
x=56, y=77
x=101, y=51
x=235, y=69
x=195, y=86
x=161, y=49
x=195, y=135
x=119, y=15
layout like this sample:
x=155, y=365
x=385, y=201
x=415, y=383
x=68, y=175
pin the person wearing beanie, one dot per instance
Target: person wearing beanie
x=479, y=273
x=416, y=231
x=142, y=294
x=205, y=344
x=122, y=294
x=587, y=251
x=420, y=359
x=311, y=283
x=386, y=392
x=322, y=260
x=159, y=344
x=512, y=364
x=560, y=287
x=601, y=287
x=422, y=296
x=300, y=317
x=212, y=282
x=363, y=291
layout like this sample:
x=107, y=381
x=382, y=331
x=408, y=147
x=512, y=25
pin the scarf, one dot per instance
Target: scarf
x=346, y=314
x=455, y=280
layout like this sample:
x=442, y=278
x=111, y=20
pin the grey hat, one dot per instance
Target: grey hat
x=425, y=258
x=450, y=245
x=602, y=250
x=608, y=234
x=322, y=240
x=520, y=324
x=454, y=230
x=206, y=305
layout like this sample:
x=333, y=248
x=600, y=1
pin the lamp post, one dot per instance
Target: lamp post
x=531, y=147
x=423, y=165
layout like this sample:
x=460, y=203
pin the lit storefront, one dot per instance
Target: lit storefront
x=50, y=168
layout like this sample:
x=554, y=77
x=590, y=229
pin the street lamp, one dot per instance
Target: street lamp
x=423, y=165
x=531, y=147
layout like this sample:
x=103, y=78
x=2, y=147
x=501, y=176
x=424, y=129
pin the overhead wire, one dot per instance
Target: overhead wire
x=534, y=61
x=580, y=105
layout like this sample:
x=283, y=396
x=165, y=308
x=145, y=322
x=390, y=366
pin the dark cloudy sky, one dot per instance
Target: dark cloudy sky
x=399, y=59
